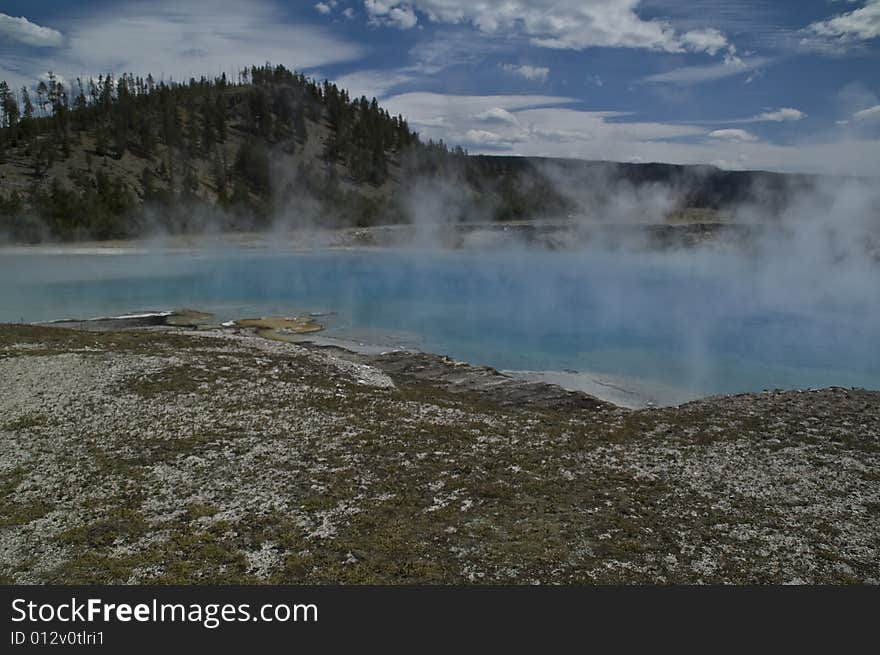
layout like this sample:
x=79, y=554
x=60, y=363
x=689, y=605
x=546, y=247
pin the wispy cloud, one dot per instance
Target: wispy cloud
x=375, y=83
x=779, y=116
x=177, y=40
x=733, y=135
x=688, y=75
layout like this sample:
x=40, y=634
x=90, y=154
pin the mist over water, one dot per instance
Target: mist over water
x=794, y=305
x=708, y=320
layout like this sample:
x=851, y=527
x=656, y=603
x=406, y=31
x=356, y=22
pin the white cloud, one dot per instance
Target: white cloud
x=172, y=39
x=779, y=116
x=733, y=135
x=688, y=75
x=707, y=40
x=374, y=83
x=546, y=126
x=390, y=12
x=59, y=79
x=489, y=140
x=568, y=127
x=871, y=113
x=537, y=125
x=348, y=12
x=534, y=73
x=323, y=8
x=447, y=48
x=497, y=115
x=782, y=115
x=455, y=112
x=20, y=29
x=853, y=26
x=559, y=24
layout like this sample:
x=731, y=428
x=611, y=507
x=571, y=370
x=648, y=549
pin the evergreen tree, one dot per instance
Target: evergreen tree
x=27, y=105
x=252, y=164
x=5, y=120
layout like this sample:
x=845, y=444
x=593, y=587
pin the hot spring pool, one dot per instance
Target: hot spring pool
x=705, y=321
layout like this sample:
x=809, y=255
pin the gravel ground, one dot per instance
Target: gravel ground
x=154, y=456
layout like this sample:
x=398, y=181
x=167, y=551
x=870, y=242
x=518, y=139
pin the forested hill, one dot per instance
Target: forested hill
x=128, y=156
x=112, y=158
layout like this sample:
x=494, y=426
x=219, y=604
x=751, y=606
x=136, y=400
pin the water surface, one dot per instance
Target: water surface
x=709, y=322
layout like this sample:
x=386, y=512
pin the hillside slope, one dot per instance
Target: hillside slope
x=120, y=158
x=123, y=157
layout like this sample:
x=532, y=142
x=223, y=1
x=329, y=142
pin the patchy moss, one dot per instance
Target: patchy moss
x=15, y=512
x=27, y=422
x=120, y=525
x=197, y=556
x=88, y=568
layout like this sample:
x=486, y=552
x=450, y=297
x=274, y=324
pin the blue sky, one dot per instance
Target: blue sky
x=772, y=84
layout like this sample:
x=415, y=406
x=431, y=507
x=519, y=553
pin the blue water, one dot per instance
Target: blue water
x=706, y=322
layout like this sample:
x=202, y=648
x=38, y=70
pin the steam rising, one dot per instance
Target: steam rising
x=789, y=299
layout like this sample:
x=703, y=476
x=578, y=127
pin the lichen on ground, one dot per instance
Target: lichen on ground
x=154, y=456
x=281, y=328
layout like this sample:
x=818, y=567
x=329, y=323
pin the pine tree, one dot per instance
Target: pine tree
x=27, y=105
x=42, y=97
x=8, y=105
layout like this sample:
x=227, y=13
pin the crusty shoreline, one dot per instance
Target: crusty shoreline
x=167, y=457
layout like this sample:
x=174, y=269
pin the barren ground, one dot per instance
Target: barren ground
x=155, y=456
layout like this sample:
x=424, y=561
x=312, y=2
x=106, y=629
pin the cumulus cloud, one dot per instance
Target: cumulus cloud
x=559, y=24
x=390, y=12
x=708, y=40
x=324, y=7
x=21, y=30
x=533, y=73
x=733, y=135
x=497, y=114
x=858, y=25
